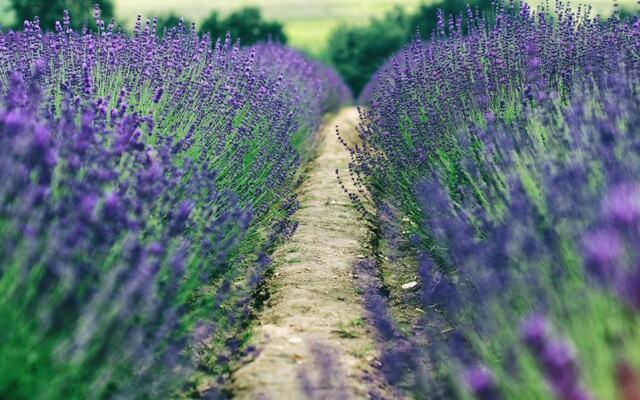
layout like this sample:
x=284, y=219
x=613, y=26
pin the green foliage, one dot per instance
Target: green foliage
x=211, y=24
x=7, y=15
x=50, y=11
x=357, y=52
x=169, y=21
x=246, y=24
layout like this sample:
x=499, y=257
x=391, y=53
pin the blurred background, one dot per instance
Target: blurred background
x=355, y=36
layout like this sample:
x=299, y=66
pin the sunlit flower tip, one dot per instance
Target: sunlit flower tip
x=603, y=249
x=623, y=204
x=535, y=330
x=41, y=138
x=480, y=381
x=154, y=248
x=558, y=356
x=534, y=62
x=87, y=205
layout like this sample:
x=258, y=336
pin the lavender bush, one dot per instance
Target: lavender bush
x=144, y=180
x=505, y=150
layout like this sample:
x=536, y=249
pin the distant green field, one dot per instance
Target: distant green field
x=6, y=14
x=307, y=22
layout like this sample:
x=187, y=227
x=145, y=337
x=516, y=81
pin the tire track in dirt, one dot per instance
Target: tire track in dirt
x=311, y=331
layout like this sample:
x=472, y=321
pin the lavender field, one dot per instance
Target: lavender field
x=186, y=216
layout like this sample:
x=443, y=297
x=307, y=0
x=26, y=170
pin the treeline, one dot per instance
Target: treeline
x=246, y=23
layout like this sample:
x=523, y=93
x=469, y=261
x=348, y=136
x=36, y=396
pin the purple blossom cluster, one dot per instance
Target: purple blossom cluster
x=318, y=88
x=611, y=253
x=144, y=180
x=457, y=81
x=526, y=249
x=491, y=148
x=556, y=358
x=95, y=245
x=480, y=382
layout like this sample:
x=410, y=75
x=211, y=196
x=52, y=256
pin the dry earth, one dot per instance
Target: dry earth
x=313, y=338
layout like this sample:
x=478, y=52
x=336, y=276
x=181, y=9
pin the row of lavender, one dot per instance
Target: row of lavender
x=506, y=151
x=143, y=181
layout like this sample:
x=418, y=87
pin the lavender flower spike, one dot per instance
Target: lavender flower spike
x=555, y=357
x=480, y=382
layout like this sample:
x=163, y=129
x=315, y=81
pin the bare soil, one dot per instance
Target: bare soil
x=313, y=338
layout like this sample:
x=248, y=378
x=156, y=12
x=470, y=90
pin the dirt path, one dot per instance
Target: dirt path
x=311, y=331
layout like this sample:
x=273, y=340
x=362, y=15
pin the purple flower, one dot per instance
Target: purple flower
x=87, y=205
x=535, y=330
x=158, y=95
x=629, y=287
x=556, y=358
x=111, y=201
x=480, y=382
x=623, y=204
x=604, y=249
x=114, y=213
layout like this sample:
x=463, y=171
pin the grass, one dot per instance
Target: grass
x=350, y=330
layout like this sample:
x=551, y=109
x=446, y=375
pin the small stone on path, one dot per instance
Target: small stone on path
x=409, y=285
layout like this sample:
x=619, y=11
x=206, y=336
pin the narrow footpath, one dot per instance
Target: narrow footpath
x=313, y=338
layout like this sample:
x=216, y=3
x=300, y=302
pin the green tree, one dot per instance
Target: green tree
x=246, y=24
x=50, y=11
x=358, y=51
x=212, y=25
x=170, y=21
